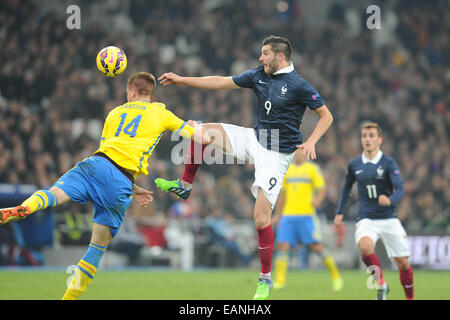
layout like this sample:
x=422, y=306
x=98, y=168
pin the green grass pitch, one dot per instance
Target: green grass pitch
x=235, y=284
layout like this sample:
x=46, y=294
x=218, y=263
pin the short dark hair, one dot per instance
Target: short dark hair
x=279, y=44
x=143, y=82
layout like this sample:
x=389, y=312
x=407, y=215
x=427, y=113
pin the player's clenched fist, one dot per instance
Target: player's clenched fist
x=338, y=223
x=384, y=201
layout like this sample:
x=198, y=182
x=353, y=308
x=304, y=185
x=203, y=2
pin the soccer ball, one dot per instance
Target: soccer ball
x=111, y=61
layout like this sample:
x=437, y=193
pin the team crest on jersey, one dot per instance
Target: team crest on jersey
x=284, y=90
x=380, y=172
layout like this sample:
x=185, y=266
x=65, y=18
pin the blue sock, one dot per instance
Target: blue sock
x=94, y=254
x=41, y=200
x=84, y=274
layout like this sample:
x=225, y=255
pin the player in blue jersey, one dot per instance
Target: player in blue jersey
x=380, y=188
x=283, y=96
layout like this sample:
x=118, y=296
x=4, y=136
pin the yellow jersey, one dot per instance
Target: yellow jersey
x=132, y=131
x=300, y=185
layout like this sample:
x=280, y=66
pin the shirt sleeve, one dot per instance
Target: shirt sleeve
x=346, y=189
x=397, y=182
x=245, y=79
x=175, y=124
x=308, y=96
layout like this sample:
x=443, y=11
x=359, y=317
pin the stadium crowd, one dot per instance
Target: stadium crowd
x=53, y=99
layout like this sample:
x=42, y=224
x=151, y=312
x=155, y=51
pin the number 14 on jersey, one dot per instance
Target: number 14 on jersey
x=131, y=127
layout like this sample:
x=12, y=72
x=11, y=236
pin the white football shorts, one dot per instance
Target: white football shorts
x=270, y=166
x=390, y=231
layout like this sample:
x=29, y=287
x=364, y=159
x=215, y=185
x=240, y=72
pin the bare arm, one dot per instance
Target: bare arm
x=209, y=82
x=318, y=199
x=325, y=121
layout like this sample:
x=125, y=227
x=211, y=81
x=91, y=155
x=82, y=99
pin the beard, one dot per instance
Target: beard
x=272, y=67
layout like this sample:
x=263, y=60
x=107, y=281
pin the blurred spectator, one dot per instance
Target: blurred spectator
x=73, y=224
x=221, y=233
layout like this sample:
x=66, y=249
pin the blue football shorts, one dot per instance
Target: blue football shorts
x=298, y=229
x=97, y=180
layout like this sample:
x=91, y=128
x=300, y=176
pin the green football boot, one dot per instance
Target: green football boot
x=263, y=289
x=174, y=187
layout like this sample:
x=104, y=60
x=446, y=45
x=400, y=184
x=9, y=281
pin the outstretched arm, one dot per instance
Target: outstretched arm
x=209, y=82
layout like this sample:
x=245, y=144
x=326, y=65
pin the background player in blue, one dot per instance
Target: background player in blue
x=380, y=188
x=283, y=96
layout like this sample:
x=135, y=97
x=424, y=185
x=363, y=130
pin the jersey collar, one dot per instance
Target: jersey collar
x=374, y=160
x=288, y=69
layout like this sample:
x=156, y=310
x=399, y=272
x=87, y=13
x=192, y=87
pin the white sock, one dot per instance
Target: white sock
x=186, y=185
x=265, y=275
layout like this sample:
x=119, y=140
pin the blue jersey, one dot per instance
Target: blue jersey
x=374, y=177
x=282, y=101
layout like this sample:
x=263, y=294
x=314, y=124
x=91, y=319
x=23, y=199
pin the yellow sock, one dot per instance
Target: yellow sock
x=82, y=277
x=332, y=268
x=40, y=200
x=281, y=266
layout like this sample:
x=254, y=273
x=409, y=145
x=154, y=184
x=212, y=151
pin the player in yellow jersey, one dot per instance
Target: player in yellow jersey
x=302, y=192
x=130, y=135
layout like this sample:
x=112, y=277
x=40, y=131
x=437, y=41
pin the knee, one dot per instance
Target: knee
x=402, y=263
x=261, y=220
x=283, y=246
x=263, y=210
x=316, y=247
x=366, y=246
x=60, y=195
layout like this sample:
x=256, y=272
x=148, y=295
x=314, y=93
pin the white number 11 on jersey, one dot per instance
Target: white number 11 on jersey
x=372, y=191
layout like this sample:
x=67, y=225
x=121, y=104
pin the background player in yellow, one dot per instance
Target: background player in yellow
x=130, y=134
x=302, y=192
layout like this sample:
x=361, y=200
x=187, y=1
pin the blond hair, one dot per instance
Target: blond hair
x=371, y=125
x=143, y=82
